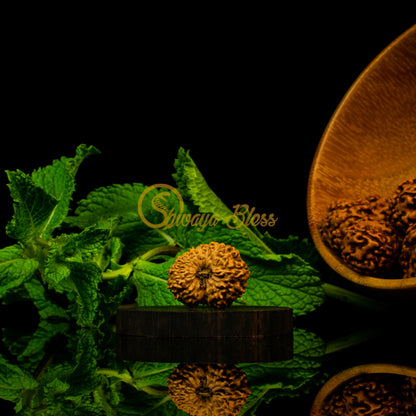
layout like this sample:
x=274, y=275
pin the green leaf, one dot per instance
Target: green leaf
x=14, y=381
x=14, y=269
x=121, y=202
x=278, y=277
x=293, y=244
x=275, y=280
x=33, y=207
x=87, y=246
x=79, y=281
x=146, y=374
x=46, y=308
x=193, y=187
x=41, y=201
x=283, y=280
x=143, y=404
x=34, y=350
x=67, y=387
x=188, y=237
x=108, y=202
x=150, y=280
x=290, y=378
x=84, y=378
x=84, y=280
x=58, y=181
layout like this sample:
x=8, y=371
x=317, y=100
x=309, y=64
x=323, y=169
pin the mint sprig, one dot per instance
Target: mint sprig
x=113, y=242
x=77, y=279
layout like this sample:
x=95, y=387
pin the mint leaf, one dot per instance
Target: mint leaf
x=287, y=378
x=146, y=374
x=34, y=349
x=119, y=203
x=278, y=277
x=84, y=377
x=78, y=281
x=188, y=237
x=33, y=207
x=283, y=280
x=293, y=244
x=14, y=382
x=46, y=308
x=41, y=201
x=14, y=269
x=84, y=280
x=108, y=202
x=142, y=404
x=193, y=187
x=58, y=181
x=67, y=387
x=87, y=246
x=150, y=280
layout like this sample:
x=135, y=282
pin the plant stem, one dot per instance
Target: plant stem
x=355, y=299
x=108, y=372
x=127, y=268
x=123, y=271
x=127, y=378
x=351, y=340
x=168, y=249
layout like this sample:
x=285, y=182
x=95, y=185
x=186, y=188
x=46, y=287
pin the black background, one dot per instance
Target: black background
x=250, y=100
x=249, y=96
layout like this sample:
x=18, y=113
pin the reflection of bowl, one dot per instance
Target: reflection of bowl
x=368, y=147
x=340, y=380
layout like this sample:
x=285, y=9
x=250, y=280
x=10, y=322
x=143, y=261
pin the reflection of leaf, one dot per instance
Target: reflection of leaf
x=31, y=350
x=15, y=383
x=150, y=374
x=142, y=404
x=46, y=308
x=14, y=270
x=288, y=378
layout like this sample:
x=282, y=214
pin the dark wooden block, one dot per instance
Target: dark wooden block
x=181, y=321
x=205, y=350
x=182, y=334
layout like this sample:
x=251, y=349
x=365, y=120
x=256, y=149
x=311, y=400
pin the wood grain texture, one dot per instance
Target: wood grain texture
x=369, y=146
x=183, y=334
x=205, y=350
x=185, y=322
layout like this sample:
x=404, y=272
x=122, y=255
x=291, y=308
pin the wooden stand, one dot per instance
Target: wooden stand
x=201, y=334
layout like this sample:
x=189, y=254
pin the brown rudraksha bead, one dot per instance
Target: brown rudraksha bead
x=403, y=206
x=370, y=247
x=213, y=274
x=407, y=257
x=208, y=389
x=342, y=214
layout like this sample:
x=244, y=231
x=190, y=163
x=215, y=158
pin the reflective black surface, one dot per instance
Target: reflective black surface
x=81, y=369
x=255, y=142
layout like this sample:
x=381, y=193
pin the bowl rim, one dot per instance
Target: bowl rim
x=389, y=284
x=372, y=368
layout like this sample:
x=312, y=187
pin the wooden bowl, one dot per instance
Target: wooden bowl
x=368, y=147
x=336, y=381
